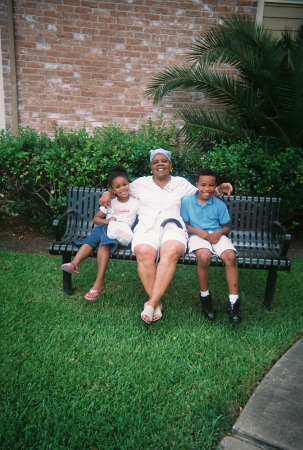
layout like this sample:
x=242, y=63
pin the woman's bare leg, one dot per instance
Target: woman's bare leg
x=146, y=261
x=169, y=254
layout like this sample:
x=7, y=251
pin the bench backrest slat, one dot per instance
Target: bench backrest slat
x=85, y=203
x=251, y=217
x=252, y=220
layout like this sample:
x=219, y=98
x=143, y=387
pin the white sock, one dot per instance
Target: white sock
x=233, y=298
x=204, y=294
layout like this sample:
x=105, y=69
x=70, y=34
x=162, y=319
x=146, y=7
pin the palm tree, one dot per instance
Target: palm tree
x=255, y=75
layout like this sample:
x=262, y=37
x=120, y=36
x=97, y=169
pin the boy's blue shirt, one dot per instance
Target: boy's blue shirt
x=209, y=217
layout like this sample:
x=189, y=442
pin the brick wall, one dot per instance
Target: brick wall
x=88, y=62
x=5, y=65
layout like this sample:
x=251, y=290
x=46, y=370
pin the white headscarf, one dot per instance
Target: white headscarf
x=167, y=153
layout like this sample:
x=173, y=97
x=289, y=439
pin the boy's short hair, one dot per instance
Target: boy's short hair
x=206, y=172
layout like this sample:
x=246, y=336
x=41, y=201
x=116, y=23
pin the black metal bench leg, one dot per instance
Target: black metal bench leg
x=67, y=277
x=270, y=288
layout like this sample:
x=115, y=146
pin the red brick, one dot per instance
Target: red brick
x=91, y=61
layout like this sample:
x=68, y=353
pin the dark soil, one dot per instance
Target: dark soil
x=19, y=234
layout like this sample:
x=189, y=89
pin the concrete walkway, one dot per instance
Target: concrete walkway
x=273, y=416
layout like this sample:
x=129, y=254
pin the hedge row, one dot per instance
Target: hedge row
x=37, y=170
x=263, y=169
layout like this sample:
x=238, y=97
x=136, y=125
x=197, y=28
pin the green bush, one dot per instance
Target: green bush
x=262, y=168
x=37, y=170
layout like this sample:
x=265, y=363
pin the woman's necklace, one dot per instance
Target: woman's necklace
x=155, y=181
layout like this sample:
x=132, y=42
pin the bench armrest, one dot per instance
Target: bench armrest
x=55, y=224
x=284, y=237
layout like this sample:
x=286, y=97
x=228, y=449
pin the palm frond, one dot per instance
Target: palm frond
x=201, y=125
x=264, y=87
x=171, y=79
x=238, y=42
x=221, y=85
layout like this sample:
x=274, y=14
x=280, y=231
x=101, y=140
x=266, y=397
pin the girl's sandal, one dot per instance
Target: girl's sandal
x=88, y=296
x=70, y=268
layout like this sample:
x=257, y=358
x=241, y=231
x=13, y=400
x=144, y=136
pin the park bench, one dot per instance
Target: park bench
x=261, y=241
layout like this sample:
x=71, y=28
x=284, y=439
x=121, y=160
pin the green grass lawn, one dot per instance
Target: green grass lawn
x=80, y=375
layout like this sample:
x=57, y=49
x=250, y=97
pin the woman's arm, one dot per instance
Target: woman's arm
x=106, y=198
x=188, y=188
x=224, y=188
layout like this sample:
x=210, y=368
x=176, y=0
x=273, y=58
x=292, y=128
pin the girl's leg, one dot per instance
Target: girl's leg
x=83, y=253
x=103, y=256
x=86, y=249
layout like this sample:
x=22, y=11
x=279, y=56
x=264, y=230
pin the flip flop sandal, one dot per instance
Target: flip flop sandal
x=149, y=312
x=93, y=291
x=158, y=312
x=69, y=267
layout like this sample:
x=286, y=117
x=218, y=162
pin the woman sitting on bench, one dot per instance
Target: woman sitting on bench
x=159, y=199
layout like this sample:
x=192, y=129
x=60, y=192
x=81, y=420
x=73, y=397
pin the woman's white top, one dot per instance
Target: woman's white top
x=157, y=204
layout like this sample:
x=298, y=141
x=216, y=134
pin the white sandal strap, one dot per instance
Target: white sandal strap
x=149, y=312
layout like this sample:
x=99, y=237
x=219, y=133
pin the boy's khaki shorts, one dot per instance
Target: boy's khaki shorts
x=195, y=243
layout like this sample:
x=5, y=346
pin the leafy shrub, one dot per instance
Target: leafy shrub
x=37, y=170
x=262, y=168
